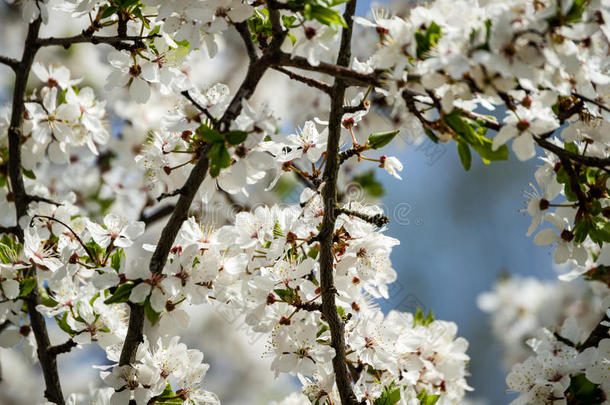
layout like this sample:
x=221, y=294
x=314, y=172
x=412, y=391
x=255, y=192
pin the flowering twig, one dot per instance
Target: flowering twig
x=255, y=73
x=201, y=108
x=378, y=220
x=78, y=238
x=329, y=196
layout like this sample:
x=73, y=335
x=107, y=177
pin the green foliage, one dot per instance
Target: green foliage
x=583, y=391
x=322, y=11
x=390, y=396
x=116, y=258
x=420, y=319
x=152, y=315
x=218, y=155
x=219, y=158
x=27, y=286
x=465, y=155
x=381, y=139
x=260, y=26
x=427, y=39
x=427, y=399
x=9, y=249
x=121, y=294
x=472, y=133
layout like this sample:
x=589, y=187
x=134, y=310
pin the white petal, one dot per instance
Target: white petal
x=139, y=293
x=506, y=132
x=545, y=237
x=139, y=90
x=523, y=146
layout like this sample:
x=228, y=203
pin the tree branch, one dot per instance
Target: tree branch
x=118, y=42
x=10, y=62
x=329, y=196
x=48, y=361
x=65, y=347
x=246, y=36
x=378, y=220
x=317, y=84
x=189, y=189
x=201, y=108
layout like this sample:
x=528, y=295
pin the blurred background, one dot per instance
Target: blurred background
x=459, y=231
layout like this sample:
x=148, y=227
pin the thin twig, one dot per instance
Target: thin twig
x=78, y=238
x=316, y=84
x=201, y=108
x=378, y=220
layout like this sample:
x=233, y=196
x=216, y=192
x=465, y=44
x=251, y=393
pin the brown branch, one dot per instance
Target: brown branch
x=329, y=196
x=157, y=215
x=378, y=220
x=118, y=42
x=65, y=347
x=48, y=361
x=255, y=72
x=316, y=84
x=78, y=238
x=201, y=108
x=246, y=36
x=349, y=76
x=10, y=62
x=9, y=229
x=592, y=101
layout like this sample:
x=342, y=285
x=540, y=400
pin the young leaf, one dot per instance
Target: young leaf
x=465, y=156
x=121, y=294
x=151, y=314
x=381, y=139
x=236, y=137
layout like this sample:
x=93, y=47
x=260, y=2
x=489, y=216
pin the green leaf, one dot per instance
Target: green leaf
x=151, y=314
x=427, y=40
x=63, y=324
x=116, y=258
x=465, y=156
x=277, y=231
x=219, y=158
x=121, y=294
x=108, y=11
x=390, y=396
x=426, y=399
x=381, y=139
x=236, y=137
x=29, y=174
x=487, y=153
x=326, y=16
x=45, y=299
x=420, y=319
x=210, y=135
x=583, y=391
x=26, y=286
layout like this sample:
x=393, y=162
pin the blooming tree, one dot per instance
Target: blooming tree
x=80, y=204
